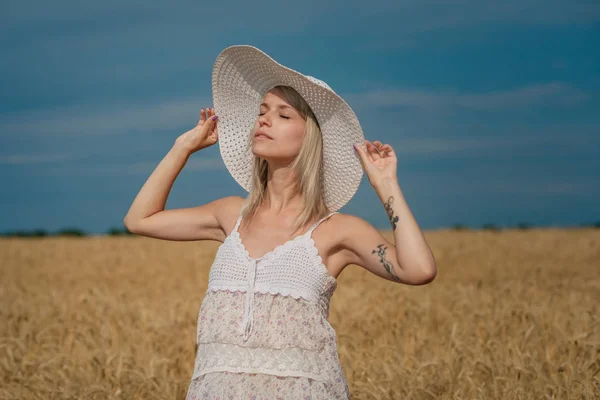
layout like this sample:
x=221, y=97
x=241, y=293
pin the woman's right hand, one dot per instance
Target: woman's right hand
x=202, y=135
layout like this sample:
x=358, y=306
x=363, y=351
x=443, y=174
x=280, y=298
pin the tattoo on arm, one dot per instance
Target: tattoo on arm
x=390, y=212
x=386, y=264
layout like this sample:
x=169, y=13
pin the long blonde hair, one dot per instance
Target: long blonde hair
x=307, y=166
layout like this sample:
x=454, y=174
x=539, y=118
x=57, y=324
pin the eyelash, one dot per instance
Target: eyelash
x=280, y=116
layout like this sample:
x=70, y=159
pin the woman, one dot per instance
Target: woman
x=288, y=139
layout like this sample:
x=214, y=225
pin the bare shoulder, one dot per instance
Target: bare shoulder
x=336, y=241
x=347, y=224
x=227, y=210
x=356, y=232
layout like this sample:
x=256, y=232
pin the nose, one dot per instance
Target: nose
x=262, y=119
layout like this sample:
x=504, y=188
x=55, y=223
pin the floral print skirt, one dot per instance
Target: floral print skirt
x=234, y=386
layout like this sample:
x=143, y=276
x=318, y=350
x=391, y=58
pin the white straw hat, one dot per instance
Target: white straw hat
x=241, y=77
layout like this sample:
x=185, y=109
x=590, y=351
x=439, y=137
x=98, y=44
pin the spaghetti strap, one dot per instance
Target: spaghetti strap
x=237, y=223
x=312, y=228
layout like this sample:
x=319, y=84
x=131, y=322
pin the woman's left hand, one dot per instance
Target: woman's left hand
x=379, y=162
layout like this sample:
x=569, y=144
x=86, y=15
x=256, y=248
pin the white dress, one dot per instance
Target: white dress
x=263, y=329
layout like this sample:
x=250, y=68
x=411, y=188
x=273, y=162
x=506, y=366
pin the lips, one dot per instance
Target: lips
x=262, y=134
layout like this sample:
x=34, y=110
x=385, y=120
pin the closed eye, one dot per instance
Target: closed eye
x=280, y=116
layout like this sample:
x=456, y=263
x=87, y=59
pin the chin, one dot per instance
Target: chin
x=259, y=153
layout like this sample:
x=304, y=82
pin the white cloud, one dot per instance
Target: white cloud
x=410, y=17
x=84, y=120
x=432, y=145
x=146, y=168
x=69, y=30
x=121, y=169
x=552, y=94
x=25, y=159
x=200, y=164
x=497, y=180
x=539, y=188
x=118, y=119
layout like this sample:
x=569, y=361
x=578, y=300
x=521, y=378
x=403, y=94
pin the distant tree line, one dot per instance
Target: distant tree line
x=521, y=226
x=75, y=232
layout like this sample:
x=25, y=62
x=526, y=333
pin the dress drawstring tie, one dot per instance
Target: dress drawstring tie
x=248, y=322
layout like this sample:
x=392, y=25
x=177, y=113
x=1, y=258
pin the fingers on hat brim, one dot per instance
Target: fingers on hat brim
x=373, y=151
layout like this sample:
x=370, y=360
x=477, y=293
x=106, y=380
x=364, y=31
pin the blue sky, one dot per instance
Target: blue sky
x=492, y=107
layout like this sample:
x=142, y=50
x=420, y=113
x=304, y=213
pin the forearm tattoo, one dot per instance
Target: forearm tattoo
x=386, y=264
x=390, y=212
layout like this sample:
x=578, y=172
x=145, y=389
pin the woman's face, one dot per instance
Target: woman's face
x=278, y=119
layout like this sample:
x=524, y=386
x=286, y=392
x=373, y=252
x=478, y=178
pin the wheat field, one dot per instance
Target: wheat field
x=512, y=314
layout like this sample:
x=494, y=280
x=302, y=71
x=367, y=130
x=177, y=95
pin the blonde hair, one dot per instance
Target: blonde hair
x=307, y=166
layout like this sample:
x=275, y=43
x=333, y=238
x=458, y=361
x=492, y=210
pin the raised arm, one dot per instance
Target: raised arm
x=410, y=260
x=147, y=215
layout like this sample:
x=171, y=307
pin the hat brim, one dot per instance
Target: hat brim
x=241, y=77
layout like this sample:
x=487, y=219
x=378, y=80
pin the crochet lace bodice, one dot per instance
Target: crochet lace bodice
x=294, y=268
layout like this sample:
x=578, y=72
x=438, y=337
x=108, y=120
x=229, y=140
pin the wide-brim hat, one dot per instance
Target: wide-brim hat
x=241, y=77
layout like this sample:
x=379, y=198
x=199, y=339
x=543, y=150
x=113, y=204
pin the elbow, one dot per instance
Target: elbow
x=431, y=274
x=129, y=225
x=427, y=274
x=429, y=270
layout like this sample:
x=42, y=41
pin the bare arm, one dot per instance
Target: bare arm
x=409, y=261
x=206, y=222
x=147, y=215
x=414, y=261
x=153, y=196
